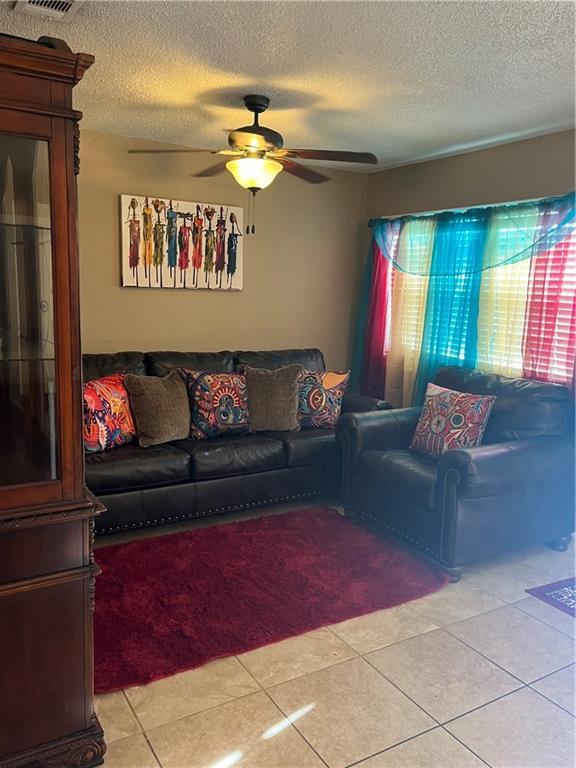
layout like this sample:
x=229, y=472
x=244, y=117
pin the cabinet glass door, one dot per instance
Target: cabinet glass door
x=28, y=433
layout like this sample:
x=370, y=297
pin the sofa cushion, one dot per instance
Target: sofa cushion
x=161, y=363
x=130, y=467
x=234, y=455
x=310, y=446
x=310, y=359
x=96, y=366
x=402, y=475
x=523, y=407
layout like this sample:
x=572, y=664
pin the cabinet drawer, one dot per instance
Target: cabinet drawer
x=35, y=551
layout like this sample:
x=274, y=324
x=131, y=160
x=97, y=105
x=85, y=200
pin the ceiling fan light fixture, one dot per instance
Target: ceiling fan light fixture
x=254, y=173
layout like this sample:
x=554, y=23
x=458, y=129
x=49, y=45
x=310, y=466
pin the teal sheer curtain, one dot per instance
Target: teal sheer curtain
x=450, y=323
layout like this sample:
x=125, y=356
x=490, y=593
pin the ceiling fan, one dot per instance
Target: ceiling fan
x=258, y=154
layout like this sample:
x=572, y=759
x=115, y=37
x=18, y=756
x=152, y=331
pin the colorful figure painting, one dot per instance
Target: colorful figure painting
x=176, y=244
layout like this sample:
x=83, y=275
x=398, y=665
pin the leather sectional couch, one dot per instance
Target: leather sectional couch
x=194, y=478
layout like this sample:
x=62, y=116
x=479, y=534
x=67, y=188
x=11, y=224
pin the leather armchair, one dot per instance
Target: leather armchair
x=470, y=503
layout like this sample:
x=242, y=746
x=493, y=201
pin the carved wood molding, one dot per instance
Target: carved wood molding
x=88, y=508
x=44, y=518
x=76, y=148
x=81, y=750
x=61, y=577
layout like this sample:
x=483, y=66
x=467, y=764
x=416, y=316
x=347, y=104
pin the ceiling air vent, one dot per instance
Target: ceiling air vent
x=56, y=10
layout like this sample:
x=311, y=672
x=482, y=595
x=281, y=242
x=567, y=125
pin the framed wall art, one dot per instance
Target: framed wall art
x=178, y=244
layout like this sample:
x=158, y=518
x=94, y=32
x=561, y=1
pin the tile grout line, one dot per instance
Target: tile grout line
x=542, y=621
x=549, y=674
x=493, y=594
x=201, y=711
x=417, y=736
x=469, y=578
x=393, y=746
x=514, y=690
x=466, y=746
x=305, y=674
x=277, y=706
x=555, y=703
x=131, y=708
x=298, y=731
x=299, y=677
x=152, y=749
x=389, y=645
x=473, y=616
x=523, y=683
x=143, y=732
x=402, y=692
x=481, y=706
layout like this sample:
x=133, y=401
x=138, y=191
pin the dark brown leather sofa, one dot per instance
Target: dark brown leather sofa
x=194, y=478
x=514, y=490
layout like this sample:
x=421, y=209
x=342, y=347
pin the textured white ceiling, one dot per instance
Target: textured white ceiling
x=405, y=80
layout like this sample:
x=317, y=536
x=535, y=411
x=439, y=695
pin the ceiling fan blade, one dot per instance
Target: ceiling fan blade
x=167, y=151
x=336, y=155
x=307, y=174
x=212, y=170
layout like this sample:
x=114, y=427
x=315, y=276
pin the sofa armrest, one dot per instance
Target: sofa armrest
x=376, y=430
x=355, y=403
x=499, y=468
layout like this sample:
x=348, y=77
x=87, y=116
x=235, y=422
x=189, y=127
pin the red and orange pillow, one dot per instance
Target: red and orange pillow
x=107, y=418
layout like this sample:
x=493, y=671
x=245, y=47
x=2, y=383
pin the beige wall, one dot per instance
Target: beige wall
x=520, y=170
x=301, y=269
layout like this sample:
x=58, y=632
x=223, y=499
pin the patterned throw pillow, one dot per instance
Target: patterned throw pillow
x=450, y=420
x=108, y=420
x=320, y=398
x=218, y=403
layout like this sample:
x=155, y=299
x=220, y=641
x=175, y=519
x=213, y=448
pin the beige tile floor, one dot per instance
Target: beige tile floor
x=478, y=674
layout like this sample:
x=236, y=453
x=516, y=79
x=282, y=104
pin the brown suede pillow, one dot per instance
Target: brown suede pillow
x=160, y=407
x=273, y=398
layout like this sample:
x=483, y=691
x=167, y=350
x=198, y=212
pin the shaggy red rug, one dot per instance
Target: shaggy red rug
x=171, y=603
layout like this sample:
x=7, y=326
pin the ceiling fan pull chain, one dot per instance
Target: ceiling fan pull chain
x=248, y=219
x=253, y=230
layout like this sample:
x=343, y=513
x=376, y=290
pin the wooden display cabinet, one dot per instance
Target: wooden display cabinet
x=47, y=569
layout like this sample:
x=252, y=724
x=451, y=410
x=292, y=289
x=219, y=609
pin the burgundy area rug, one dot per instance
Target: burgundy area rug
x=174, y=602
x=560, y=594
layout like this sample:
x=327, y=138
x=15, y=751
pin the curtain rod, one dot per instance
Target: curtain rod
x=468, y=208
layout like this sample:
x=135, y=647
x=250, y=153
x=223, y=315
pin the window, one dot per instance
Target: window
x=492, y=288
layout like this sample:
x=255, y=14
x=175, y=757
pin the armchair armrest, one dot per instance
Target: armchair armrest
x=355, y=403
x=499, y=468
x=377, y=430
